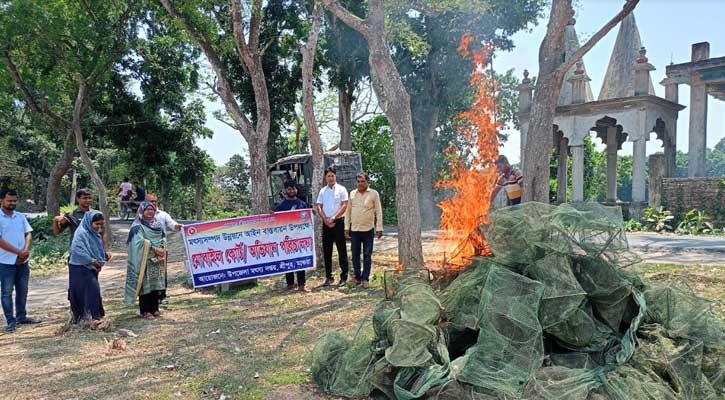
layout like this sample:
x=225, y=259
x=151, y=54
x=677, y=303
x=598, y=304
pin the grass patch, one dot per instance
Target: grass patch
x=287, y=377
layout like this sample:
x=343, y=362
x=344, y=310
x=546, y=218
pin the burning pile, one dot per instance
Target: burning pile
x=472, y=172
x=551, y=316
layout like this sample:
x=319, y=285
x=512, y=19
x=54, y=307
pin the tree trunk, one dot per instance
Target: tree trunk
x=198, y=199
x=552, y=69
x=344, y=122
x=56, y=175
x=165, y=201
x=395, y=102
x=73, y=186
x=80, y=144
x=258, y=171
x=426, y=151
x=308, y=102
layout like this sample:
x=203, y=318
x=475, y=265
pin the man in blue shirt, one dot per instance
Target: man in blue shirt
x=292, y=202
x=15, y=238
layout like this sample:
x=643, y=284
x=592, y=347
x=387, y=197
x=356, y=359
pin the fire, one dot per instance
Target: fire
x=472, y=172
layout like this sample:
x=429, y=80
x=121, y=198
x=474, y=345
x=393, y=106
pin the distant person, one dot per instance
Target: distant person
x=87, y=257
x=331, y=206
x=140, y=193
x=72, y=220
x=363, y=222
x=167, y=224
x=125, y=191
x=15, y=239
x=291, y=202
x=510, y=179
x=146, y=266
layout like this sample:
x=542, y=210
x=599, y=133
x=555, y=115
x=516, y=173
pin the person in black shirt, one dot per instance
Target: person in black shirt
x=291, y=202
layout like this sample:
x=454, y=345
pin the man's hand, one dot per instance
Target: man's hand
x=347, y=234
x=59, y=219
x=178, y=227
x=378, y=234
x=23, y=254
x=109, y=256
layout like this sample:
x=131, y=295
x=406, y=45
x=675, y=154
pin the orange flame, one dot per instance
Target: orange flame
x=472, y=171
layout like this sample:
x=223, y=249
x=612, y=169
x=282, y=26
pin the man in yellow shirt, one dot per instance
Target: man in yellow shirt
x=363, y=223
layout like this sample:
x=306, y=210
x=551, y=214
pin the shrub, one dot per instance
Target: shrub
x=657, y=219
x=633, y=225
x=390, y=216
x=694, y=222
x=42, y=227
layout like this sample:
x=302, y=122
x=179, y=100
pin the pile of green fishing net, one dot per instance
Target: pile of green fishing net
x=553, y=315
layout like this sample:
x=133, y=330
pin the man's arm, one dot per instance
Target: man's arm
x=59, y=224
x=9, y=248
x=348, y=216
x=342, y=210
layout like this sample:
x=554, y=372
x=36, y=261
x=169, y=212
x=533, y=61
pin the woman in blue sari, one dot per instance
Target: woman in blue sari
x=146, y=266
x=87, y=257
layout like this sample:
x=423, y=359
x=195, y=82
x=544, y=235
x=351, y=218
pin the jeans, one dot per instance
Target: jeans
x=335, y=235
x=17, y=276
x=366, y=240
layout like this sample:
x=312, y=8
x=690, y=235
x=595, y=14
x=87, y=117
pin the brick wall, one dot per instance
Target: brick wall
x=683, y=194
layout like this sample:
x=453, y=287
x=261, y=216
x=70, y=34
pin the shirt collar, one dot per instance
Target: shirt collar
x=13, y=215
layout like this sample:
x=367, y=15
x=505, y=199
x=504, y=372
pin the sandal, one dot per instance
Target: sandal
x=157, y=314
x=148, y=315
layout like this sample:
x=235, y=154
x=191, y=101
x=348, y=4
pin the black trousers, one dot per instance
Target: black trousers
x=149, y=302
x=335, y=235
x=290, y=277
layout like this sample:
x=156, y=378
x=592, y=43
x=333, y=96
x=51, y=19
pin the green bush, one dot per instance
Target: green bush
x=633, y=225
x=390, y=216
x=657, y=219
x=694, y=222
x=42, y=227
x=50, y=254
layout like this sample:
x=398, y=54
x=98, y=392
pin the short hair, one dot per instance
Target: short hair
x=330, y=169
x=8, y=192
x=125, y=179
x=98, y=217
x=290, y=183
x=151, y=194
x=502, y=160
x=363, y=175
x=83, y=192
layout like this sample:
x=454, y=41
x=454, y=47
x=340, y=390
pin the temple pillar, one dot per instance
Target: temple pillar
x=639, y=160
x=561, y=170
x=526, y=96
x=672, y=93
x=612, y=146
x=577, y=172
x=698, y=116
x=656, y=173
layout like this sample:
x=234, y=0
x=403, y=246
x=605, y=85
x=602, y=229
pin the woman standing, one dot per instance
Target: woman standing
x=146, y=267
x=87, y=257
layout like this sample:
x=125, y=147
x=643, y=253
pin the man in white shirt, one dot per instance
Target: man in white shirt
x=331, y=207
x=15, y=238
x=168, y=223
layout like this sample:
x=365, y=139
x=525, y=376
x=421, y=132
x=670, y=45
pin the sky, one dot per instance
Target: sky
x=668, y=28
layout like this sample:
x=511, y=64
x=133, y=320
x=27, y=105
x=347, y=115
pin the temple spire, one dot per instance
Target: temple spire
x=571, y=46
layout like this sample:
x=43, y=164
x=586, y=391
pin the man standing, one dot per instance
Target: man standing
x=73, y=219
x=510, y=179
x=363, y=221
x=291, y=202
x=15, y=238
x=331, y=206
x=168, y=224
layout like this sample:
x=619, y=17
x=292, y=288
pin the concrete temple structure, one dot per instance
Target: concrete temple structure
x=627, y=109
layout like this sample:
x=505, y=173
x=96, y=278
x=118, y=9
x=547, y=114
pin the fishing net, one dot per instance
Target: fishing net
x=552, y=315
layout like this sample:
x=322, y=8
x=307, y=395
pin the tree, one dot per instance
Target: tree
x=395, y=102
x=57, y=53
x=552, y=68
x=345, y=54
x=214, y=27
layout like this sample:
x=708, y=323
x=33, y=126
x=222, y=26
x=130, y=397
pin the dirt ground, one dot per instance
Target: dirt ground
x=248, y=344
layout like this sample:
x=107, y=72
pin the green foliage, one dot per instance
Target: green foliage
x=694, y=222
x=50, y=253
x=657, y=219
x=633, y=225
x=42, y=227
x=373, y=140
x=390, y=215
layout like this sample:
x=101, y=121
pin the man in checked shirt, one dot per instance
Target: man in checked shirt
x=510, y=179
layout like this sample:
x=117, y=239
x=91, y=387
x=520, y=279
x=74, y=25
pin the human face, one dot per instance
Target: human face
x=10, y=202
x=362, y=184
x=331, y=179
x=84, y=202
x=502, y=168
x=291, y=192
x=154, y=201
x=149, y=212
x=97, y=225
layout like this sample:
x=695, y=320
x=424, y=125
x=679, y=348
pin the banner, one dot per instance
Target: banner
x=249, y=247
